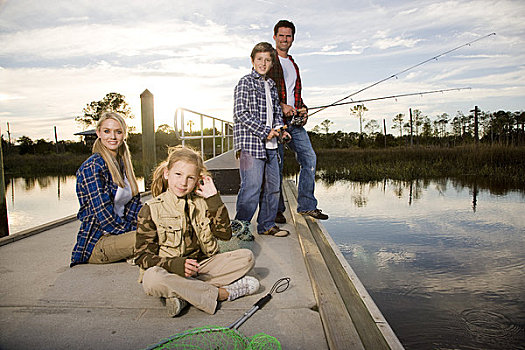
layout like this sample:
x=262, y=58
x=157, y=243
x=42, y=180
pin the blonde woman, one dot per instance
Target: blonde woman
x=109, y=197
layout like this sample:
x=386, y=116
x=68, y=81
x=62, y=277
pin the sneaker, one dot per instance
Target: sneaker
x=316, y=213
x=279, y=218
x=245, y=286
x=175, y=305
x=275, y=231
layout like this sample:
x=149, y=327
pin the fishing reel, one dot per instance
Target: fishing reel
x=299, y=117
x=299, y=120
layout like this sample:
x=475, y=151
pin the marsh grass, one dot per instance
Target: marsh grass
x=486, y=163
x=489, y=164
x=28, y=165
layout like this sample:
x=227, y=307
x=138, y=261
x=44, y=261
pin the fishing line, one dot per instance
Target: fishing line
x=392, y=96
x=401, y=72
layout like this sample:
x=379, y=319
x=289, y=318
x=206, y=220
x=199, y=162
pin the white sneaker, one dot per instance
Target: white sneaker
x=175, y=305
x=245, y=286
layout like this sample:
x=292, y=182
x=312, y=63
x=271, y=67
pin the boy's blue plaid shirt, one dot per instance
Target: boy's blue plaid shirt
x=249, y=114
x=96, y=193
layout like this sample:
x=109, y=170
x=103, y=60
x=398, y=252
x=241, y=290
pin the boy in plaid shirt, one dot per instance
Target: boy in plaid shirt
x=257, y=118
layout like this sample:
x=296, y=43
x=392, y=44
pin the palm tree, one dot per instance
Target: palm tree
x=326, y=124
x=358, y=111
x=190, y=123
x=398, y=123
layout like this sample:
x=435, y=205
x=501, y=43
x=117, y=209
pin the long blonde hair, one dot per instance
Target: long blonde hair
x=122, y=154
x=158, y=183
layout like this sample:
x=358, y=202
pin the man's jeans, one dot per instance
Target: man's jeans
x=305, y=156
x=259, y=186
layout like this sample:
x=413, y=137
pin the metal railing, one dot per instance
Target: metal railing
x=225, y=133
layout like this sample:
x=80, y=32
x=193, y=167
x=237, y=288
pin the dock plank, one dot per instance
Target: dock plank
x=339, y=327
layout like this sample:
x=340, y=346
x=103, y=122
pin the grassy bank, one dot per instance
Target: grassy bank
x=495, y=164
x=29, y=165
x=491, y=163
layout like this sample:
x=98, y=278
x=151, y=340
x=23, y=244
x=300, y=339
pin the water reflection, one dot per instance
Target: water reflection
x=38, y=200
x=442, y=259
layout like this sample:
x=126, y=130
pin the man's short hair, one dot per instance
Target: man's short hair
x=284, y=24
x=263, y=47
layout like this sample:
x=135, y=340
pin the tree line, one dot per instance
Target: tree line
x=501, y=128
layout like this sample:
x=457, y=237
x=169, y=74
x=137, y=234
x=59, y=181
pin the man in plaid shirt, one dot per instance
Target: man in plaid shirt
x=257, y=116
x=285, y=73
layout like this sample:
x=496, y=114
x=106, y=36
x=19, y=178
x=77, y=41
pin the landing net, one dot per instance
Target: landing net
x=213, y=337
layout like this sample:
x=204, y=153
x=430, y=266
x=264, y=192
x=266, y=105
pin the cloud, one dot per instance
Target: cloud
x=331, y=53
x=383, y=41
x=61, y=56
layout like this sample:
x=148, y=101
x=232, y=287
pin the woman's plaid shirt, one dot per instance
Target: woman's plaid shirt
x=96, y=193
x=249, y=114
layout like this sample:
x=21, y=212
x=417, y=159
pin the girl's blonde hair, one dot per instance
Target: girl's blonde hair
x=122, y=154
x=178, y=153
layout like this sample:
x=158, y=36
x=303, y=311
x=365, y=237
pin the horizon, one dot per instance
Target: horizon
x=57, y=57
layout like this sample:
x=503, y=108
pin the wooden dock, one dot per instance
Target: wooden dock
x=46, y=304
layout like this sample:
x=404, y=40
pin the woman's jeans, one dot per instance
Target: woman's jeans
x=260, y=183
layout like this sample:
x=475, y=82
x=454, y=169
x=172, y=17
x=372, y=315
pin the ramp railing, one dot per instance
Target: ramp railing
x=208, y=128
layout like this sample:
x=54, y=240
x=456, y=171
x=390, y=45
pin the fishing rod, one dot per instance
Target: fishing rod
x=387, y=97
x=401, y=72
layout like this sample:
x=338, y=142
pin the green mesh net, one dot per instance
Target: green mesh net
x=213, y=337
x=227, y=338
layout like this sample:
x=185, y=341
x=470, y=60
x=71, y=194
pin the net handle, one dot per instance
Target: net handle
x=278, y=287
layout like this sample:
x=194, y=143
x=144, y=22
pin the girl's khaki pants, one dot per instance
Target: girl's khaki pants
x=200, y=291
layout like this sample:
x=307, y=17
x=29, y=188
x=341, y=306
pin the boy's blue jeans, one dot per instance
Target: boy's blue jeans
x=260, y=181
x=305, y=155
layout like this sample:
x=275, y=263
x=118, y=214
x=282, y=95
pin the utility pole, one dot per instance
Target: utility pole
x=476, y=112
x=8, y=134
x=411, y=129
x=384, y=128
x=56, y=139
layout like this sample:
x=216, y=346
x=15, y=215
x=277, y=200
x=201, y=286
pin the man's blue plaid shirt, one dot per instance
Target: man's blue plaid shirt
x=249, y=114
x=96, y=193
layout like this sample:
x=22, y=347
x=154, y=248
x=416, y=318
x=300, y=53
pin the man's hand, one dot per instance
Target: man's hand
x=288, y=111
x=205, y=187
x=303, y=112
x=191, y=268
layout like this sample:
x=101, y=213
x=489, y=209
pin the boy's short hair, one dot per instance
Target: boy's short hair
x=284, y=24
x=263, y=47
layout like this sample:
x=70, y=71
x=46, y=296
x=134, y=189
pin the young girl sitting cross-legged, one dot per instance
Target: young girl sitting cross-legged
x=177, y=236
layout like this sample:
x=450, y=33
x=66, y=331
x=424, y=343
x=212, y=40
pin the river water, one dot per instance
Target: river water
x=443, y=261
x=35, y=201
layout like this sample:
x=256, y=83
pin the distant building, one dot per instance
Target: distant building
x=89, y=136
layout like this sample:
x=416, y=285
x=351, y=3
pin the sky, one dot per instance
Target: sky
x=58, y=56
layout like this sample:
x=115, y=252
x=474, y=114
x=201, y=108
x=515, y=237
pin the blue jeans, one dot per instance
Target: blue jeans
x=305, y=156
x=259, y=187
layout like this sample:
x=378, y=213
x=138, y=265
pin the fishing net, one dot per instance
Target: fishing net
x=227, y=338
x=212, y=337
